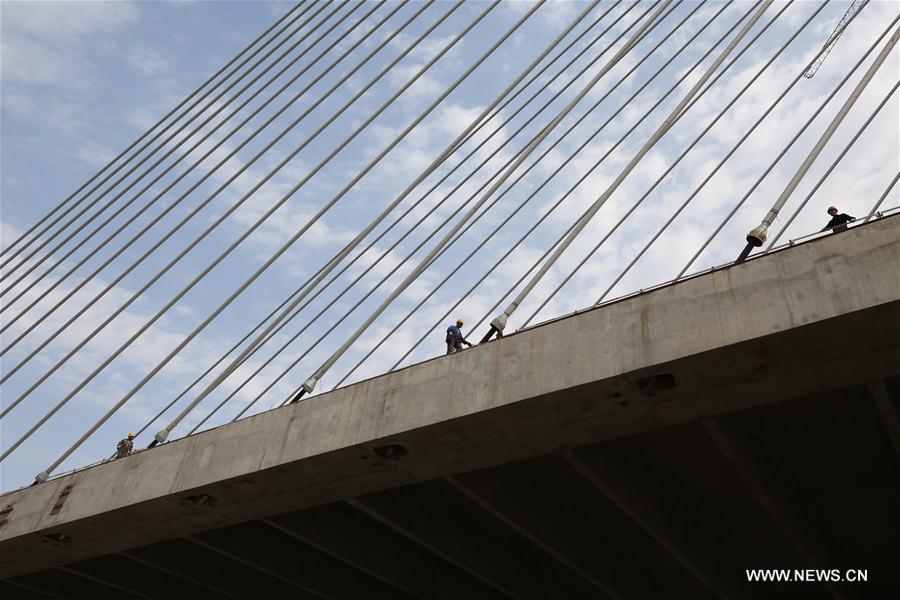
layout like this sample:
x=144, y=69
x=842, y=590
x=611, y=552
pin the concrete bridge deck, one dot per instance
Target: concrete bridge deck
x=652, y=448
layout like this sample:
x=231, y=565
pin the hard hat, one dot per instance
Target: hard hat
x=832, y=208
x=459, y=321
x=131, y=434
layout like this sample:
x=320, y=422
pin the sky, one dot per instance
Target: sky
x=81, y=81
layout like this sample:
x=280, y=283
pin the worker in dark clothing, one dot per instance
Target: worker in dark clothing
x=838, y=222
x=125, y=446
x=455, y=338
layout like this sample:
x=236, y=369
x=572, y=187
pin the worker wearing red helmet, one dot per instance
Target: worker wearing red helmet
x=838, y=222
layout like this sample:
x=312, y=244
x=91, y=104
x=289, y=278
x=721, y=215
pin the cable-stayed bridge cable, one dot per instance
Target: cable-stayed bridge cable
x=690, y=147
x=394, y=269
x=252, y=191
x=499, y=322
x=414, y=227
x=556, y=204
x=882, y=198
x=222, y=187
x=224, y=161
x=705, y=181
x=220, y=142
x=165, y=117
x=310, y=383
x=787, y=147
x=163, y=434
x=145, y=158
x=293, y=239
x=757, y=236
x=834, y=164
x=399, y=218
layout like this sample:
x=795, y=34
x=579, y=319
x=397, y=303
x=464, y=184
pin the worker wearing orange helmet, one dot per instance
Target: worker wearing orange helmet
x=455, y=338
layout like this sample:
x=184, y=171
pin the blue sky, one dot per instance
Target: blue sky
x=80, y=81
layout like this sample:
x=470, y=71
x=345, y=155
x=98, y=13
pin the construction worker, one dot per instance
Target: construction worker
x=838, y=222
x=455, y=338
x=125, y=446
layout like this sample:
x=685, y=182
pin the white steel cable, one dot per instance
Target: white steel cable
x=348, y=248
x=247, y=336
x=757, y=236
x=173, y=205
x=146, y=157
x=406, y=211
x=165, y=117
x=499, y=322
x=784, y=151
x=310, y=383
x=556, y=204
x=415, y=226
x=177, y=146
x=687, y=150
x=834, y=164
x=510, y=186
x=690, y=147
x=887, y=191
x=496, y=229
x=146, y=206
x=253, y=190
x=706, y=180
x=42, y=476
x=874, y=45
x=233, y=207
x=410, y=254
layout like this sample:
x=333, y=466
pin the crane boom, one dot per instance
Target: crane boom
x=833, y=38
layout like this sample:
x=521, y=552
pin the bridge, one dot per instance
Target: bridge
x=656, y=446
x=434, y=160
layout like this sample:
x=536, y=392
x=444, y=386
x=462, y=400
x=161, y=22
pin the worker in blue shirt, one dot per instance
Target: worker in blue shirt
x=455, y=338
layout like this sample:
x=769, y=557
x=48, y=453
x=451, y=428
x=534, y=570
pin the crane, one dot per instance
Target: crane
x=855, y=6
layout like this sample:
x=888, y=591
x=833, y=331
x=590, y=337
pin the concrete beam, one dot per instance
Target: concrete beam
x=61, y=584
x=128, y=590
x=372, y=547
x=299, y=590
x=646, y=506
x=751, y=334
x=888, y=411
x=559, y=533
x=288, y=558
x=399, y=590
x=775, y=499
x=461, y=565
x=20, y=591
x=215, y=570
x=472, y=538
x=198, y=590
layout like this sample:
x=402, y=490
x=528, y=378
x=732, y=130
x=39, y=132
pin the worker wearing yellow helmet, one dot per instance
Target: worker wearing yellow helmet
x=455, y=338
x=125, y=447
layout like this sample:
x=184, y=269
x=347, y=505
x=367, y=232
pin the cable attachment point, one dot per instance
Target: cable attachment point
x=307, y=388
x=758, y=235
x=487, y=337
x=41, y=477
x=755, y=239
x=498, y=325
x=159, y=438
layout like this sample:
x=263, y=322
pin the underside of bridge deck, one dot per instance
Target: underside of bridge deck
x=812, y=481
